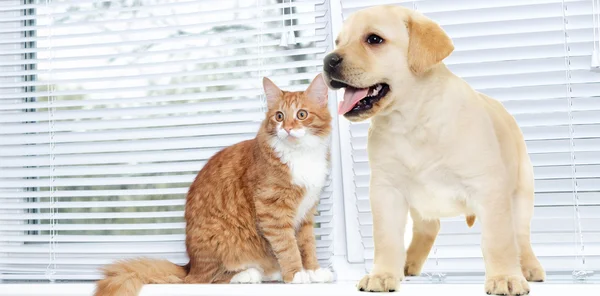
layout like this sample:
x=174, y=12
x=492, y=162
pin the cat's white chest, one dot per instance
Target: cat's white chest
x=308, y=168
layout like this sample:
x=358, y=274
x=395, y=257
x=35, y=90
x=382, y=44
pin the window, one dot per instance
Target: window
x=109, y=108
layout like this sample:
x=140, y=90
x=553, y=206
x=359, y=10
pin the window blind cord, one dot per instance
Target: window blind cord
x=51, y=268
x=291, y=34
x=596, y=30
x=580, y=272
x=284, y=41
x=263, y=101
x=596, y=27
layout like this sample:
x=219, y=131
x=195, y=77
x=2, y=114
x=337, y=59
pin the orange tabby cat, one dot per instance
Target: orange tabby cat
x=249, y=212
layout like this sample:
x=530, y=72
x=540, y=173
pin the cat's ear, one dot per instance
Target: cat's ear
x=317, y=90
x=272, y=92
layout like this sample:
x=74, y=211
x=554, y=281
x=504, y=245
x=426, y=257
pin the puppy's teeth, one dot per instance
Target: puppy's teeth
x=372, y=92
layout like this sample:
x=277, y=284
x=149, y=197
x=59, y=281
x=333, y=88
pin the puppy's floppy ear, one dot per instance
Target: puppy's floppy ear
x=428, y=44
x=272, y=92
x=317, y=90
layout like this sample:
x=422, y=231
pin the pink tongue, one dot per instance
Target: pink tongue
x=351, y=98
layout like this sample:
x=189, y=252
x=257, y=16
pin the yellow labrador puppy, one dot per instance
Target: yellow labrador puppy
x=437, y=148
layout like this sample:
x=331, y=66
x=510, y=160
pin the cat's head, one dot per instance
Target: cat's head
x=298, y=118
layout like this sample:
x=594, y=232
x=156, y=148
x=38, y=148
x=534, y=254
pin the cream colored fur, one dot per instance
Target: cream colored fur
x=437, y=148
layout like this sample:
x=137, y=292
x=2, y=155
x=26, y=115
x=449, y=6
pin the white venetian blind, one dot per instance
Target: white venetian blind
x=535, y=57
x=108, y=109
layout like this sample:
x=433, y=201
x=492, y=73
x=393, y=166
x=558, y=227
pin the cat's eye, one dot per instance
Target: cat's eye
x=279, y=116
x=302, y=114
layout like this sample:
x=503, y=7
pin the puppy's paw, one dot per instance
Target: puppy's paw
x=384, y=282
x=320, y=275
x=412, y=268
x=533, y=271
x=301, y=277
x=506, y=285
x=248, y=276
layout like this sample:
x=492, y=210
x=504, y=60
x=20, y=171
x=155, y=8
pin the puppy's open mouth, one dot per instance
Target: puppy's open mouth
x=361, y=99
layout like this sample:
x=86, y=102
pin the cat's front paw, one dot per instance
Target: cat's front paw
x=301, y=277
x=320, y=275
x=248, y=276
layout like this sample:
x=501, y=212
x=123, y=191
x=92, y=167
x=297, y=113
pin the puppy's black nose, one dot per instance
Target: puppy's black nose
x=331, y=61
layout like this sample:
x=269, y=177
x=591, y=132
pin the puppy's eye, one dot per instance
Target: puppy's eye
x=374, y=39
x=279, y=116
x=302, y=114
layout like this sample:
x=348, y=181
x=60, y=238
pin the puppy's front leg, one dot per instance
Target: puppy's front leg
x=390, y=211
x=499, y=246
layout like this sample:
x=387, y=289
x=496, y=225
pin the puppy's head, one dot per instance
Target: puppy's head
x=379, y=51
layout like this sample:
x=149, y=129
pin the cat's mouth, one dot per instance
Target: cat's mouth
x=358, y=100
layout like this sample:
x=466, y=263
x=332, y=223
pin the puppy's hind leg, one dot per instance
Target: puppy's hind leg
x=523, y=210
x=423, y=237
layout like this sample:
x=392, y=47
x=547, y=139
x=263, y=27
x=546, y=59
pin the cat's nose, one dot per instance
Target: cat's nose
x=288, y=129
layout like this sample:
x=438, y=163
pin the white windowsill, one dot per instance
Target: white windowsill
x=336, y=289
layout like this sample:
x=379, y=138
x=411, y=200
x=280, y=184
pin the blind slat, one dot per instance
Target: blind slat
x=58, y=194
x=266, y=43
x=154, y=6
x=180, y=27
x=57, y=61
x=132, y=123
x=132, y=134
x=248, y=69
x=139, y=145
x=216, y=83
